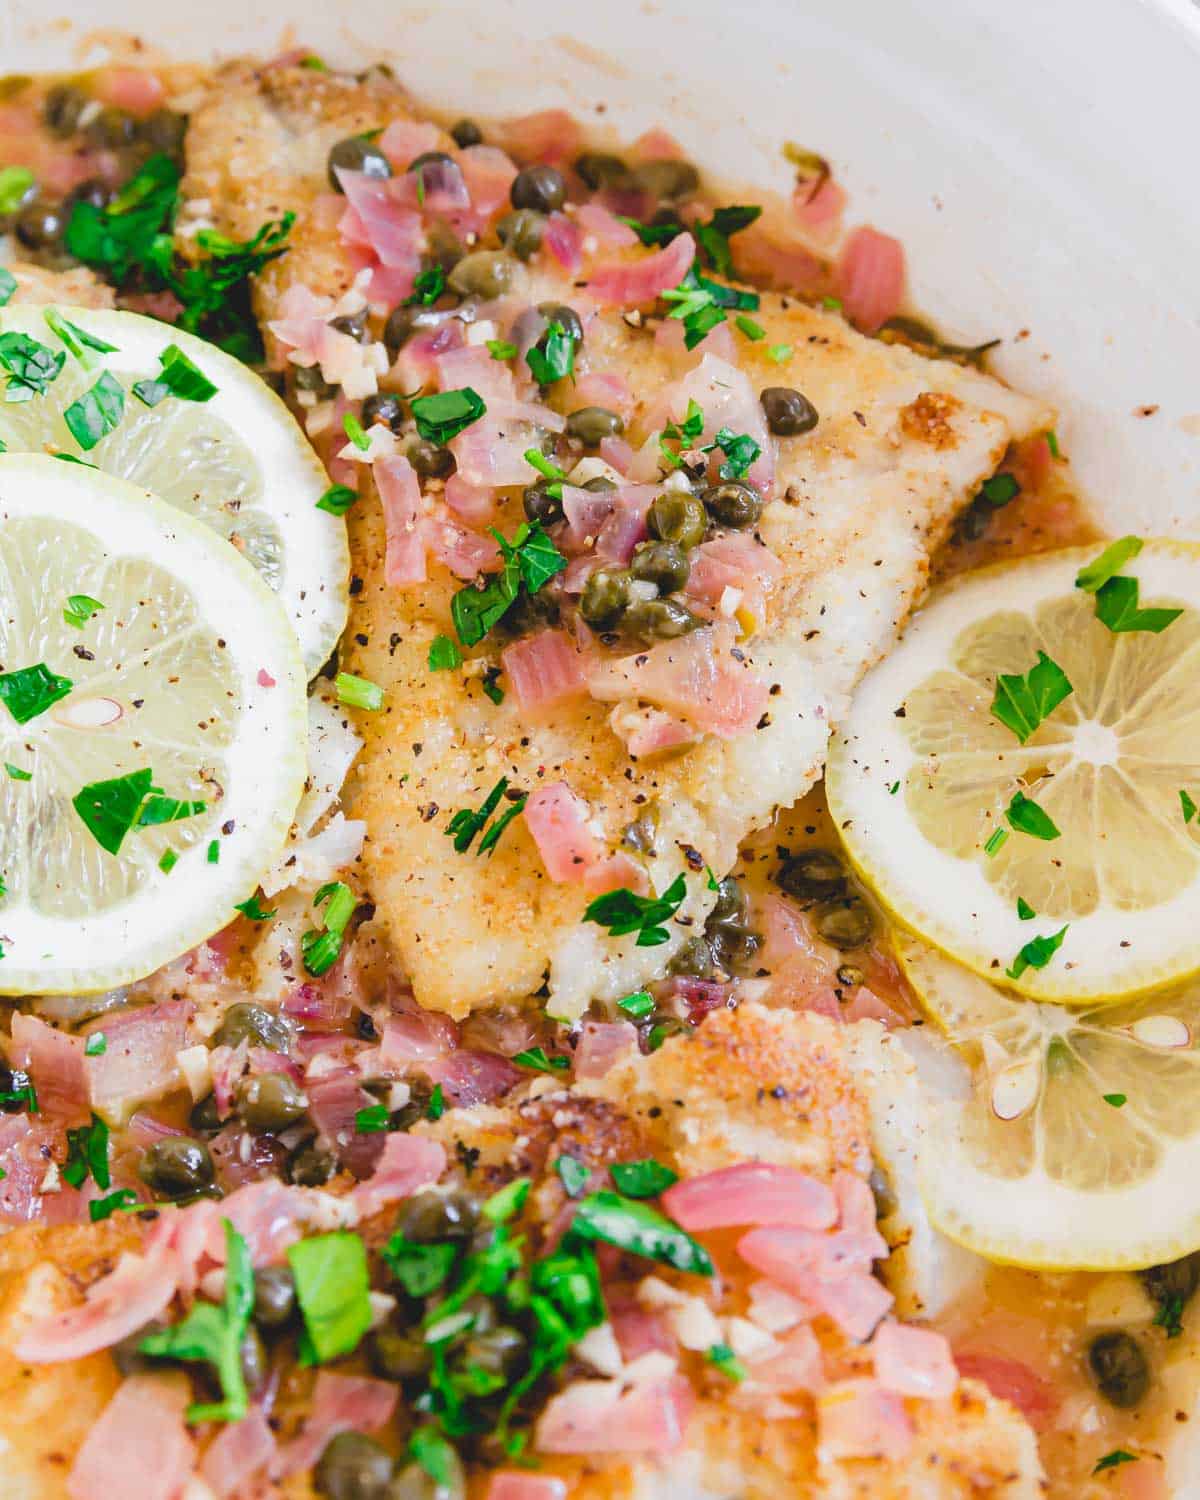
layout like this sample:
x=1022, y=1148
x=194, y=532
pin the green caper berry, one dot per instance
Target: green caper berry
x=850, y=976
x=788, y=413
x=600, y=485
x=732, y=945
x=485, y=273
x=253, y=1355
x=431, y=1216
x=733, y=504
x=429, y=159
x=111, y=128
x=247, y=1022
x=667, y=179
x=640, y=834
x=541, y=506
x=694, y=960
x=383, y=407
x=354, y=325
x=176, y=1165
x=164, y=131
x=1119, y=1367
x=270, y=1101
x=403, y=322
x=40, y=225
x=311, y=1165
x=660, y=619
x=274, y=1296
x=601, y=169
x=64, y=104
x=204, y=1114
x=592, y=424
x=541, y=187
x=309, y=378
x=495, y=1351
x=846, y=925
x=664, y=564
x=731, y=904
x=605, y=598
x=565, y=316
x=466, y=133
x=677, y=517
x=354, y=154
x=398, y=1356
x=1174, y=1281
x=430, y=460
x=353, y=1467
x=812, y=874
x=522, y=232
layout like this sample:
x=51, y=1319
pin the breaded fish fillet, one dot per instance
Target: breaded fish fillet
x=903, y=442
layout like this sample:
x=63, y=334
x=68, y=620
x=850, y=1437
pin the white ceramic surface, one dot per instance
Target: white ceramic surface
x=1037, y=159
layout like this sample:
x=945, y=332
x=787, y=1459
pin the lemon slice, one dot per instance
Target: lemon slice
x=180, y=663
x=1078, y=1145
x=925, y=781
x=238, y=461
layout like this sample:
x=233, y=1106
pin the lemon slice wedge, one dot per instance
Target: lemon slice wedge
x=152, y=729
x=1066, y=863
x=1078, y=1144
x=236, y=461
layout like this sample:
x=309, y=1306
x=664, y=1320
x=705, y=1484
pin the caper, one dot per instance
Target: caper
x=667, y=179
x=64, y=104
x=660, y=619
x=383, y=407
x=429, y=159
x=733, y=504
x=522, y=232
x=355, y=154
x=164, y=131
x=253, y=1355
x=605, y=598
x=93, y=191
x=246, y=1022
x=1173, y=1282
x=270, y=1101
x=311, y=1165
x=353, y=1467
x=430, y=460
x=731, y=904
x=274, y=1296
x=640, y=833
x=127, y=1354
x=413, y=1482
x=486, y=273
x=974, y=522
x=40, y=225
x=397, y=1356
x=111, y=128
x=403, y=322
x=812, y=874
x=732, y=945
x=176, y=1165
x=592, y=424
x=309, y=378
x=531, y=612
x=664, y=564
x=601, y=169
x=677, y=517
x=204, y=1116
x=565, y=316
x=600, y=485
x=693, y=959
x=495, y=1351
x=1119, y=1368
x=354, y=325
x=439, y=1216
x=788, y=413
x=848, y=924
x=540, y=187
x=466, y=133
x=851, y=976
x=15, y=1084
x=540, y=505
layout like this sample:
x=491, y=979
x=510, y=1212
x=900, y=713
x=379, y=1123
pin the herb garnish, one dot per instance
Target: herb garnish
x=436, y=1107
x=102, y=1208
x=1110, y=562
x=79, y=609
x=1113, y=1459
x=501, y=349
x=354, y=430
x=372, y=1119
x=178, y=377
x=1117, y=605
x=87, y=1152
x=442, y=417
x=337, y=499
x=444, y=655
x=1188, y=806
x=536, y=1058
x=781, y=353
x=320, y=949
x=358, y=692
x=16, y=773
x=428, y=286
x=573, y=1175
x=684, y=433
x=740, y=451
x=212, y=1333
x=31, y=366
x=753, y=331
x=332, y=1288
x=466, y=823
x=97, y=412
x=553, y=356
x=531, y=559
x=1169, y=1316
x=637, y=1005
x=996, y=840
x=1036, y=953
x=700, y=303
x=999, y=490
x=96, y=1045
x=642, y=1179
x=726, y=1361
x=640, y=1229
x=1025, y=912
x=110, y=809
x=623, y=911
x=253, y=910
x=1022, y=702
x=79, y=342
x=418, y=1267
x=713, y=237
x=30, y=691
x=1116, y=1100
x=1025, y=816
x=8, y=285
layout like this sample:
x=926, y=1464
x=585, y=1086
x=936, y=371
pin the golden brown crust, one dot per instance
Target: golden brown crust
x=928, y=419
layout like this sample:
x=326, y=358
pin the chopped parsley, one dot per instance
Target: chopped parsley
x=999, y=490
x=30, y=366
x=178, y=377
x=530, y=560
x=1025, y=816
x=1116, y=1100
x=623, y=911
x=15, y=183
x=1117, y=605
x=553, y=356
x=337, y=499
x=96, y=1045
x=1037, y=953
x=1110, y=562
x=157, y=810
x=507, y=1203
x=1169, y=1316
x=501, y=349
x=87, y=1154
x=573, y=1175
x=536, y=459
x=97, y=412
x=1052, y=443
x=79, y=609
x=428, y=286
x=893, y=788
x=167, y=861
x=353, y=429
x=637, y=1005
x=713, y=237
x=253, y=910
x=444, y=654
x=536, y=1058
x=212, y=1333
x=8, y=285
x=419, y=1268
x=996, y=841
x=16, y=773
x=436, y=1107
x=642, y=1179
x=1025, y=912
x=32, y=690
x=1114, y=1459
x=320, y=949
x=684, y=433
x=102, y=1208
x=780, y=353
x=371, y=1120
x=333, y=1290
x=723, y=1357
x=1023, y=701
x=630, y=1225
x=358, y=692
x=740, y=451
x=23, y=1092
x=442, y=417
x=1188, y=806
x=467, y=822
x=79, y=342
x=653, y=234
x=753, y=331
x=213, y=856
